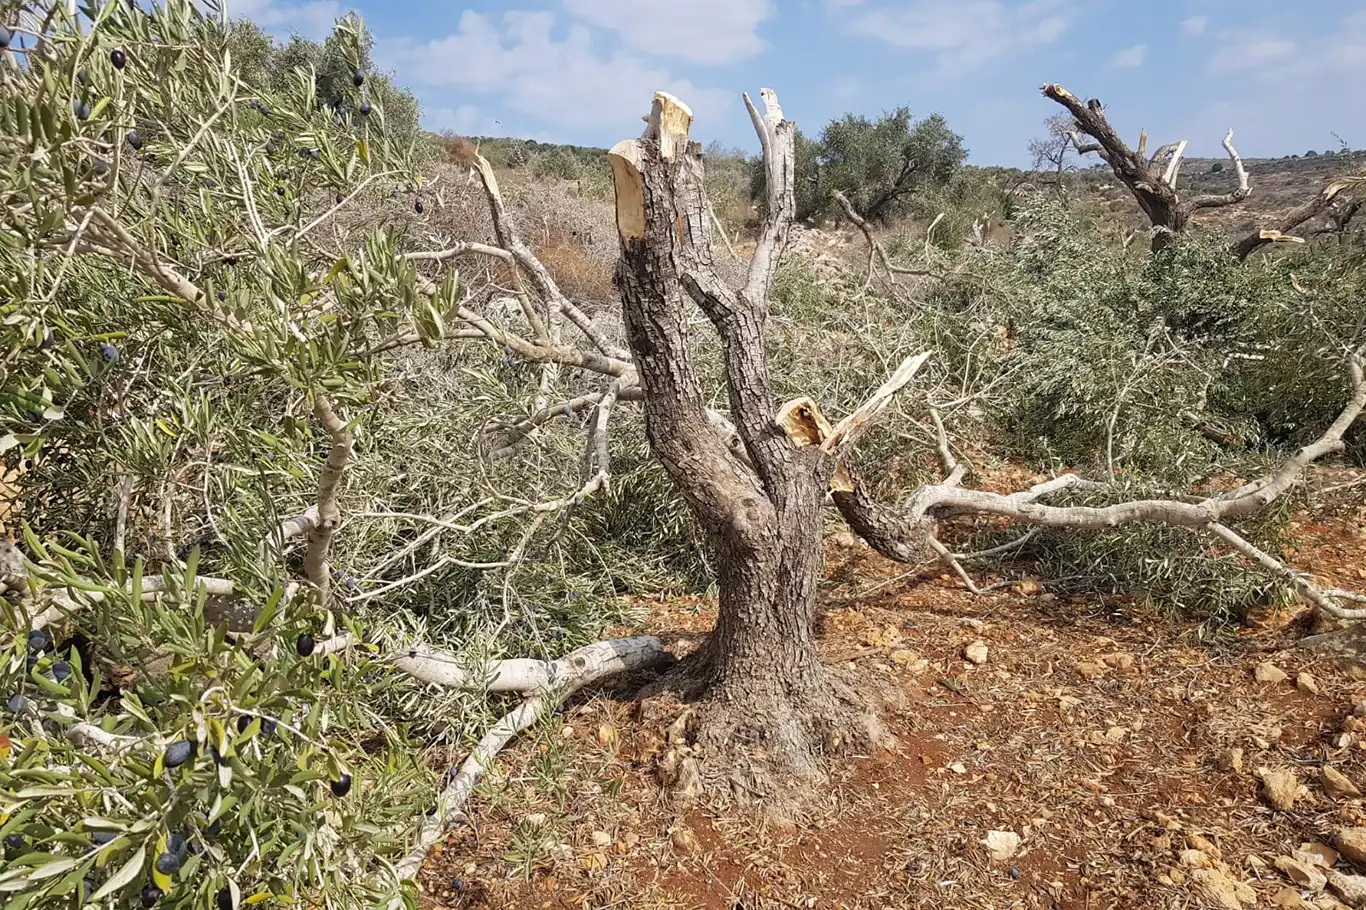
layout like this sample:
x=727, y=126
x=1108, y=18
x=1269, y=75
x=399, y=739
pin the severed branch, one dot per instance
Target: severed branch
x=1292, y=219
x=905, y=535
x=564, y=677
x=877, y=253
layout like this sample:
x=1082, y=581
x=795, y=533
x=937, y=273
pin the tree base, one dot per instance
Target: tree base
x=767, y=748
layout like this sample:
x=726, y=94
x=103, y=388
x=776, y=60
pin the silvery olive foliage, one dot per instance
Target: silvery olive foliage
x=180, y=284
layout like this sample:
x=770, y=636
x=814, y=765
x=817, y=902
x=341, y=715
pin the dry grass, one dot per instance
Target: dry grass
x=1094, y=732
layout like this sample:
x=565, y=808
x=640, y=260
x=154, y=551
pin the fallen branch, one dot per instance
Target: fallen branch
x=572, y=672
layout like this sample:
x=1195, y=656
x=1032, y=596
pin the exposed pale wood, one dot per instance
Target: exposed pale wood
x=579, y=668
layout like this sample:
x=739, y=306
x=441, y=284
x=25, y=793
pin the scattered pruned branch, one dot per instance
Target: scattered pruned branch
x=1289, y=222
x=877, y=253
x=563, y=678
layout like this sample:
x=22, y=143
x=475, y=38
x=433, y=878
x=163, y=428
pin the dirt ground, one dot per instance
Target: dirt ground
x=1124, y=754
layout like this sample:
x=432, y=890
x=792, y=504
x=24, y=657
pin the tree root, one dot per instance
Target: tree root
x=765, y=750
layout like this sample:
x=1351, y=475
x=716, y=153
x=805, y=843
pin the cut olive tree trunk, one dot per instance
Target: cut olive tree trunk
x=758, y=676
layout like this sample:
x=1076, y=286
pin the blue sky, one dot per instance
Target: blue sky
x=1286, y=75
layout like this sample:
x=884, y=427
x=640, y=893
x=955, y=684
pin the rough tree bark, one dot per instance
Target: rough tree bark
x=758, y=677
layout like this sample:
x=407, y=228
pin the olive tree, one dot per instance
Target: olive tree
x=204, y=282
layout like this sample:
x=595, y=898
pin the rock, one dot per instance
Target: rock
x=1269, y=673
x=1351, y=843
x=1289, y=899
x=1027, y=587
x=1231, y=760
x=1120, y=660
x=1336, y=784
x=971, y=623
x=901, y=657
x=684, y=840
x=1221, y=891
x=1351, y=888
x=1089, y=669
x=608, y=736
x=1306, y=682
x=1280, y=789
x=1002, y=845
x=1306, y=875
x=976, y=653
x=1194, y=859
x=601, y=839
x=1205, y=846
x=1320, y=855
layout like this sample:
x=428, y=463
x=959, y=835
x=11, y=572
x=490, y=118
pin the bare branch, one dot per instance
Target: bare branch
x=328, y=514
x=1292, y=219
x=580, y=668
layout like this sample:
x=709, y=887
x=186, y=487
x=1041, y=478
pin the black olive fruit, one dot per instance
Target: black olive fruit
x=342, y=785
x=305, y=645
x=279, y=190
x=268, y=726
x=16, y=842
x=48, y=340
x=417, y=207
x=99, y=167
x=150, y=895
x=365, y=108
x=134, y=140
x=81, y=110
x=168, y=863
x=108, y=353
x=118, y=58
x=83, y=77
x=358, y=78
x=100, y=838
x=224, y=899
x=242, y=723
x=214, y=828
x=176, y=844
x=17, y=704
x=340, y=199
x=61, y=670
x=37, y=640
x=178, y=753
x=270, y=147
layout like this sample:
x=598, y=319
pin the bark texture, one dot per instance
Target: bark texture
x=759, y=678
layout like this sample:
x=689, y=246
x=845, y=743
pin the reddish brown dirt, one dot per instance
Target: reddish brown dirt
x=1100, y=735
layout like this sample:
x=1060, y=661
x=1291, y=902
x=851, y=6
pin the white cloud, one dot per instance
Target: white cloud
x=1250, y=53
x=699, y=31
x=517, y=59
x=965, y=34
x=312, y=19
x=1131, y=57
x=1195, y=26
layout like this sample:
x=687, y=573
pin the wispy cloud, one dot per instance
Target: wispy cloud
x=1195, y=26
x=313, y=19
x=965, y=35
x=518, y=61
x=1131, y=57
x=698, y=31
